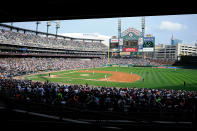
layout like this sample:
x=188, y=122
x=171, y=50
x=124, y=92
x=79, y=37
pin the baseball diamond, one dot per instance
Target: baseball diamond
x=141, y=77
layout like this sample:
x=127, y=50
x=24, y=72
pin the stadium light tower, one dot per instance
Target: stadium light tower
x=119, y=28
x=11, y=25
x=37, y=23
x=143, y=32
x=57, y=27
x=48, y=24
x=143, y=26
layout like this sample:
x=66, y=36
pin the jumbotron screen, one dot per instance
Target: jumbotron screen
x=113, y=45
x=130, y=44
x=148, y=42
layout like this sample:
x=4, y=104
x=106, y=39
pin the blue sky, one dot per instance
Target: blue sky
x=182, y=27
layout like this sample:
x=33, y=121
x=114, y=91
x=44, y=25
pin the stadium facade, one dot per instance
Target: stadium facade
x=174, y=52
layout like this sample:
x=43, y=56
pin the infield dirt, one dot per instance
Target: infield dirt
x=116, y=76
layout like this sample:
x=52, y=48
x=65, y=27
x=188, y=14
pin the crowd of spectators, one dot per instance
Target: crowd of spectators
x=163, y=61
x=99, y=98
x=21, y=66
x=17, y=38
x=84, y=96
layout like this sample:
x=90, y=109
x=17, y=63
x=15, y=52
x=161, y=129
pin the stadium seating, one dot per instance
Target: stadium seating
x=100, y=98
x=31, y=40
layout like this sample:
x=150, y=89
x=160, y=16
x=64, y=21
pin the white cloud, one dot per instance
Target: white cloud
x=171, y=26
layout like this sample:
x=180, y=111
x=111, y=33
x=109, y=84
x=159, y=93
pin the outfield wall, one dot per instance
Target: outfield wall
x=163, y=66
x=127, y=65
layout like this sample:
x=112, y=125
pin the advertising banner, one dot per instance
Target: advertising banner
x=148, y=38
x=140, y=41
x=114, y=50
x=124, y=65
x=113, y=40
x=130, y=49
x=115, y=66
x=23, y=49
x=148, y=49
x=124, y=53
x=121, y=42
x=140, y=48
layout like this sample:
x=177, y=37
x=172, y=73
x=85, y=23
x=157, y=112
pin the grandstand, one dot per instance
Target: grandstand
x=21, y=42
x=23, y=53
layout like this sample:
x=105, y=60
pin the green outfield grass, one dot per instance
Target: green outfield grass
x=153, y=78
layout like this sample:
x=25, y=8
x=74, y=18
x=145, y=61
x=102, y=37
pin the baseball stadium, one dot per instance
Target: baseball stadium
x=87, y=80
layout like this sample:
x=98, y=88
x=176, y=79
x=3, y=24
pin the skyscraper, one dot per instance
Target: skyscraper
x=175, y=41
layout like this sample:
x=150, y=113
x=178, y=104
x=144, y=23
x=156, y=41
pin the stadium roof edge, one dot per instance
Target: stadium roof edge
x=39, y=32
x=38, y=10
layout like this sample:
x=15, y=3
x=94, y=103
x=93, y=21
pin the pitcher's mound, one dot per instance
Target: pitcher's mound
x=84, y=74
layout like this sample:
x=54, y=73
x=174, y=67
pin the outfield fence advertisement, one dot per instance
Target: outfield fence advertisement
x=115, y=65
x=124, y=65
x=127, y=65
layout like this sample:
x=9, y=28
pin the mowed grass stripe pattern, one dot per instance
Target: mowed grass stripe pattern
x=153, y=78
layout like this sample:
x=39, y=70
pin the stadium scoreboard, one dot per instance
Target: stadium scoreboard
x=148, y=44
x=145, y=44
x=114, y=43
x=130, y=44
